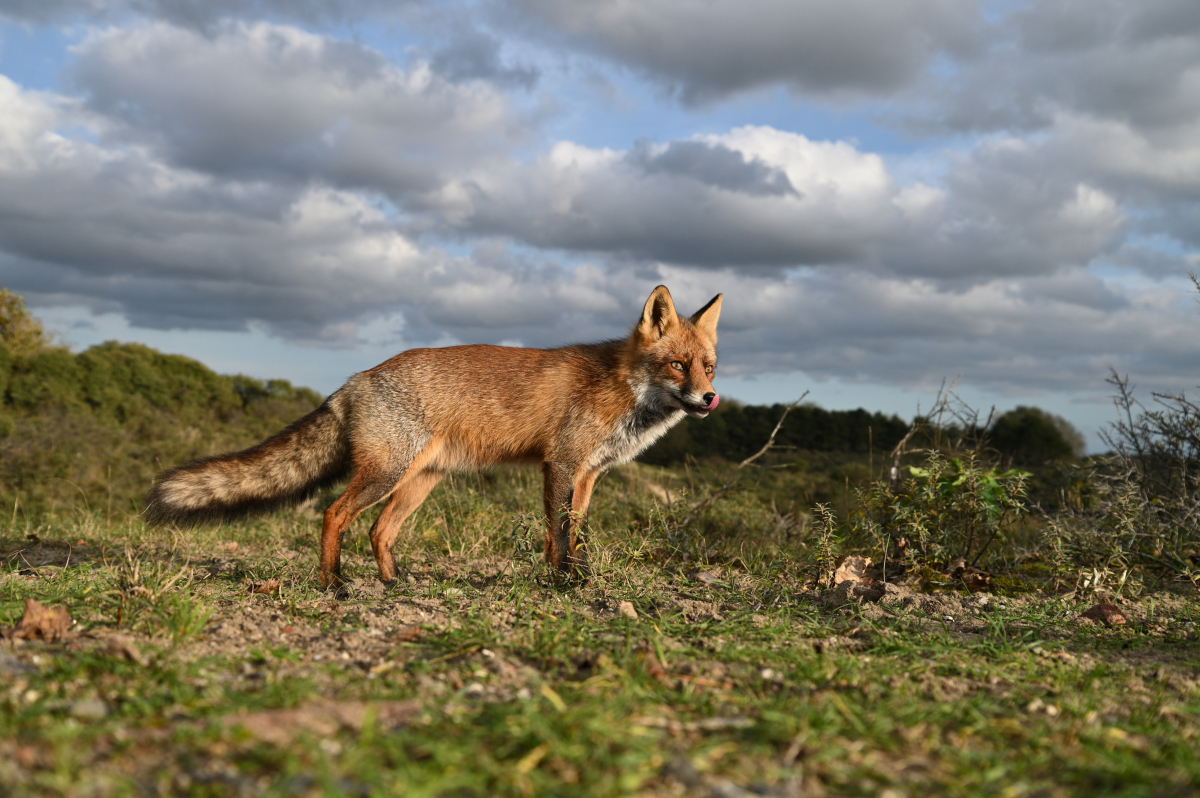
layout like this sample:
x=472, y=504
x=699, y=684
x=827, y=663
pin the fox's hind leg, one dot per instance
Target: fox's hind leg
x=406, y=498
x=367, y=487
x=377, y=473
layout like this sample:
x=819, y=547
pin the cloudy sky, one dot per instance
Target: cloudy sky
x=888, y=192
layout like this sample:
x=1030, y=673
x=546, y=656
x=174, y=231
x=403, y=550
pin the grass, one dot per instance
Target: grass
x=736, y=678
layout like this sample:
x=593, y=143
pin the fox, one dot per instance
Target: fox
x=397, y=429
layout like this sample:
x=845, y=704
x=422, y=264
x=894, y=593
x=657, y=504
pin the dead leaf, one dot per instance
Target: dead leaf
x=265, y=587
x=281, y=726
x=1107, y=612
x=627, y=610
x=41, y=623
x=124, y=646
x=852, y=569
x=971, y=576
x=406, y=634
x=654, y=668
x=710, y=578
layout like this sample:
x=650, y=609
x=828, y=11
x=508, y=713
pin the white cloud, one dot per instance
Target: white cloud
x=268, y=101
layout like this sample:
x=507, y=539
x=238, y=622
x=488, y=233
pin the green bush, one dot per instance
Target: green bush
x=50, y=378
x=1029, y=436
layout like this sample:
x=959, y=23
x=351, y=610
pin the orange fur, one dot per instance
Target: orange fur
x=401, y=426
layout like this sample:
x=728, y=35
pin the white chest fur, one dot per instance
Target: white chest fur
x=635, y=432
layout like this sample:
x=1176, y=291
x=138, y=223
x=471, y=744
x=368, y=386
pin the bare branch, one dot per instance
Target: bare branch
x=733, y=475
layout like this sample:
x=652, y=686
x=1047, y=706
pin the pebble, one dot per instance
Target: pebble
x=88, y=709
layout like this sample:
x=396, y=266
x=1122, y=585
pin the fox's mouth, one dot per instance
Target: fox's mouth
x=698, y=410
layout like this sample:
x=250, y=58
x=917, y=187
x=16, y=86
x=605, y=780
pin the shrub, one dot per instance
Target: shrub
x=1030, y=436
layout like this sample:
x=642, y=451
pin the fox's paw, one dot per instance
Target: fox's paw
x=335, y=584
x=576, y=563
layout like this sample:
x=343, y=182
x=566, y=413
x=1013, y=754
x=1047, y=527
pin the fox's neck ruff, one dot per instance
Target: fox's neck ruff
x=647, y=420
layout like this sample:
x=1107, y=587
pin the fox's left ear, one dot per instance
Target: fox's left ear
x=705, y=319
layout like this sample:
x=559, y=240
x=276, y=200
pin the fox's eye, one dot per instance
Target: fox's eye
x=675, y=364
x=708, y=369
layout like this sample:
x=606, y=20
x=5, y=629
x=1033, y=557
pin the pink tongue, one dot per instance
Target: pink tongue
x=716, y=400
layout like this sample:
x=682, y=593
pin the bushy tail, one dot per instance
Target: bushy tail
x=310, y=454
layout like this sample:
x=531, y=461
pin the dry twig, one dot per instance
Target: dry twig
x=733, y=475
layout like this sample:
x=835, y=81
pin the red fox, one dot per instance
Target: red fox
x=401, y=426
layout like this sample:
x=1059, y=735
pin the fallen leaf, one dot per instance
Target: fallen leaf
x=406, y=634
x=852, y=569
x=41, y=623
x=971, y=576
x=123, y=646
x=626, y=609
x=265, y=587
x=654, y=668
x=1107, y=612
x=281, y=726
x=709, y=578
x=530, y=760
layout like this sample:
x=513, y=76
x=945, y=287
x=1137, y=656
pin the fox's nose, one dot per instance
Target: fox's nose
x=710, y=399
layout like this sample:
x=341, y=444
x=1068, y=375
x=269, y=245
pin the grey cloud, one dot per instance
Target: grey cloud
x=1132, y=61
x=198, y=14
x=1000, y=336
x=713, y=165
x=1153, y=263
x=474, y=55
x=707, y=51
x=1003, y=210
x=269, y=101
x=84, y=223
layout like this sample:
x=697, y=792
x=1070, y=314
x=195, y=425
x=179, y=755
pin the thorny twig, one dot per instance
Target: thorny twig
x=733, y=475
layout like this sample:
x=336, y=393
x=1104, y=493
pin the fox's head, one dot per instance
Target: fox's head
x=678, y=355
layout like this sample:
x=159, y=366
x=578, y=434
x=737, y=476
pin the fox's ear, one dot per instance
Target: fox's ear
x=658, y=316
x=705, y=319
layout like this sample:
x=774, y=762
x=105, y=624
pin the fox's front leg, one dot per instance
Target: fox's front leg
x=566, y=498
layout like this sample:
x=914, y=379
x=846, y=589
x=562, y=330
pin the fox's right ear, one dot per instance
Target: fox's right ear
x=658, y=316
x=705, y=319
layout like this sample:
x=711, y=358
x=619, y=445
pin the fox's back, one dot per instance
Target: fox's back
x=491, y=404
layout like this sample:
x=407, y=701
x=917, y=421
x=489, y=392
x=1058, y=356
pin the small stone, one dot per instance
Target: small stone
x=88, y=709
x=948, y=618
x=626, y=609
x=473, y=690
